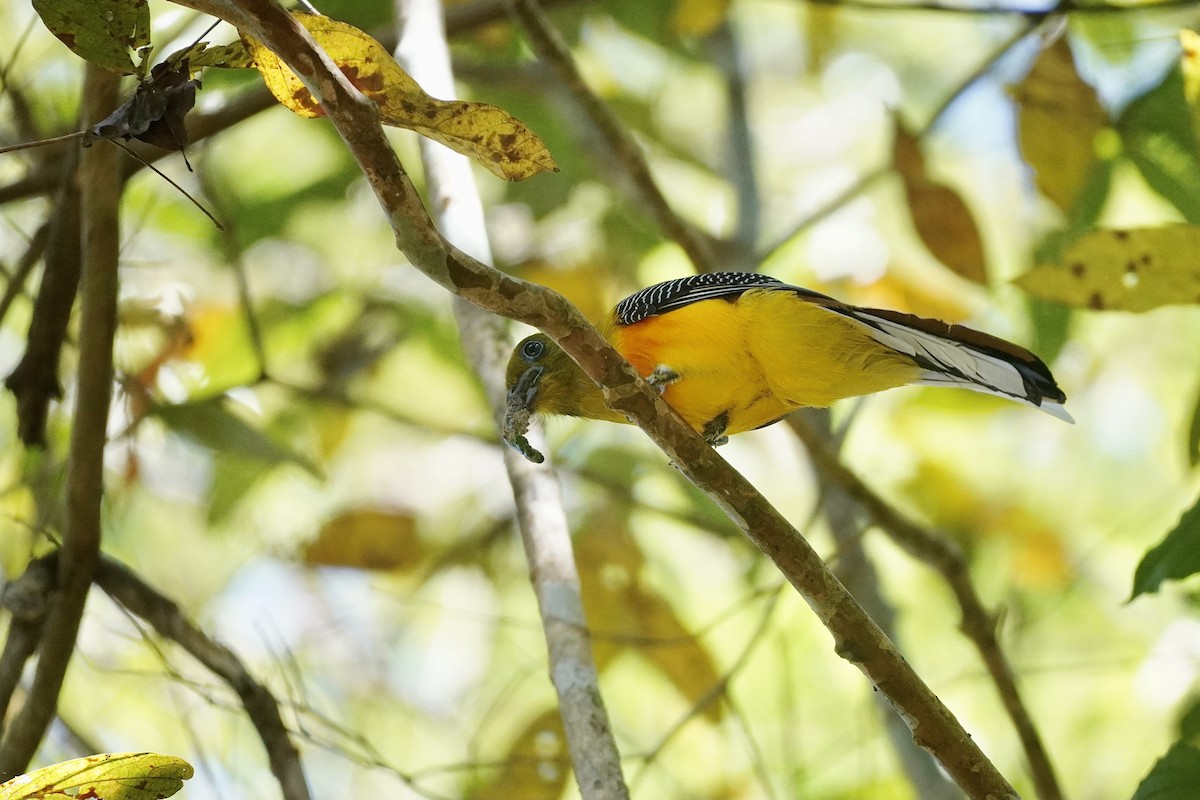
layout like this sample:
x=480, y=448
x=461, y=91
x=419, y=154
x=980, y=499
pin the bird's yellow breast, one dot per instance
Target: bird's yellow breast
x=759, y=357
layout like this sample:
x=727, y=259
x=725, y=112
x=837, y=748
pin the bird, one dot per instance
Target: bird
x=735, y=351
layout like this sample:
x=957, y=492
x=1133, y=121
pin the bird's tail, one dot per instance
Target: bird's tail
x=952, y=355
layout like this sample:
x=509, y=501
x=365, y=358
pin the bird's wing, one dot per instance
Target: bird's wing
x=671, y=295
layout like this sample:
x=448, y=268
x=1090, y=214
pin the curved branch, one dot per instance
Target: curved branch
x=856, y=637
x=126, y=588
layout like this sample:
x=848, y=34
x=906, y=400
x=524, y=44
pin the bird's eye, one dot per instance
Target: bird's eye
x=532, y=350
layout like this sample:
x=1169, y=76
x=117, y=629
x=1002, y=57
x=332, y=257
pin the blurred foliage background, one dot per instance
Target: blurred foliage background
x=300, y=457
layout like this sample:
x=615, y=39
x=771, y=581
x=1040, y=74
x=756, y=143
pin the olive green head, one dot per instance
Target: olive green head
x=541, y=378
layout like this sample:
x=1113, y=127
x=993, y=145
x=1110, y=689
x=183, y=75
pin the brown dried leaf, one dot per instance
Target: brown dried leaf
x=368, y=538
x=482, y=132
x=941, y=218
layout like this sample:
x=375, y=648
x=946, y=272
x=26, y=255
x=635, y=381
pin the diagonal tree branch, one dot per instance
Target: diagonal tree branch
x=856, y=637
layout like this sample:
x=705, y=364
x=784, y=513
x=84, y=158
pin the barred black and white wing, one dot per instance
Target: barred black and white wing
x=952, y=355
x=671, y=295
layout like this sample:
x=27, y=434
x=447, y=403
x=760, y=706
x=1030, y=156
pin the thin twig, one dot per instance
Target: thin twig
x=24, y=266
x=856, y=637
x=80, y=551
x=550, y=47
x=977, y=623
x=542, y=520
x=164, y=616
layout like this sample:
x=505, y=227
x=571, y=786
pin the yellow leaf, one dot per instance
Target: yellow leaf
x=1058, y=119
x=939, y=214
x=367, y=538
x=1190, y=62
x=623, y=613
x=482, y=132
x=1126, y=270
x=698, y=17
x=108, y=776
x=536, y=766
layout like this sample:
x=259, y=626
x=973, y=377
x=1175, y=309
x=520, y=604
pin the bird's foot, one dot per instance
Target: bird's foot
x=714, y=430
x=662, y=377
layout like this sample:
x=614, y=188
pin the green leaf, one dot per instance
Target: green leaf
x=211, y=424
x=100, y=31
x=202, y=54
x=1175, y=776
x=109, y=776
x=1160, y=140
x=1177, y=556
x=1193, y=440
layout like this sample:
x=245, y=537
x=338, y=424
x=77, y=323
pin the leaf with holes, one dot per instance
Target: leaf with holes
x=109, y=776
x=487, y=134
x=104, y=32
x=1122, y=270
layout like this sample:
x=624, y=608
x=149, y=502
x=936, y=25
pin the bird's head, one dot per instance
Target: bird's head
x=542, y=379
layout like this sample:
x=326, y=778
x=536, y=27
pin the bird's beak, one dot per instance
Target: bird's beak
x=517, y=411
x=525, y=389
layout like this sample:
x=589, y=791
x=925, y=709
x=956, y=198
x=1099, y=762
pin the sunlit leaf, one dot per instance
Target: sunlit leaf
x=103, y=32
x=939, y=214
x=1175, y=776
x=367, y=538
x=698, y=17
x=536, y=766
x=1176, y=556
x=1159, y=136
x=1058, y=119
x=484, y=133
x=1126, y=270
x=1193, y=439
x=202, y=54
x=109, y=776
x=212, y=424
x=1189, y=63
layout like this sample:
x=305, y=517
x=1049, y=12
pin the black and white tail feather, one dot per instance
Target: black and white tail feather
x=950, y=355
x=948, y=360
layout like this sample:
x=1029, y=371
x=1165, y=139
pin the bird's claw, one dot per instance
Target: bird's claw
x=714, y=430
x=662, y=377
